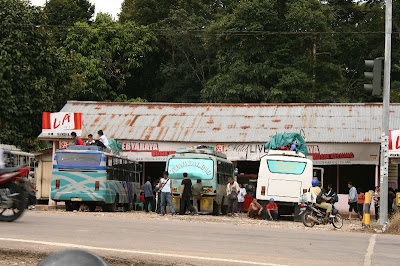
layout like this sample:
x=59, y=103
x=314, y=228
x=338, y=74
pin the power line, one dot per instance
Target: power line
x=177, y=31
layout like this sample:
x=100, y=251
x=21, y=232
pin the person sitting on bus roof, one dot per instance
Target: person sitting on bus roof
x=75, y=139
x=90, y=140
x=102, y=140
x=272, y=210
x=255, y=209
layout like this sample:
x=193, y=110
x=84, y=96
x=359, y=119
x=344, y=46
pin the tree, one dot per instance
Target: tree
x=34, y=74
x=67, y=12
x=107, y=53
x=268, y=53
x=145, y=12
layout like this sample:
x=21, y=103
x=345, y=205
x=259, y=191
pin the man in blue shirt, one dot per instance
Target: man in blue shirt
x=353, y=197
x=148, y=195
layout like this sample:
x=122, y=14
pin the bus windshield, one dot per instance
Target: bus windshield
x=196, y=168
x=78, y=159
x=286, y=167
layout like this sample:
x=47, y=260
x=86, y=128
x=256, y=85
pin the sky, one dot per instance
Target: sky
x=112, y=7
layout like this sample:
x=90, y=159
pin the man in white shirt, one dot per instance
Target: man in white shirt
x=232, y=190
x=166, y=193
x=242, y=193
x=102, y=139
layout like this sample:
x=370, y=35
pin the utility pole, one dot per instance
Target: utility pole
x=383, y=212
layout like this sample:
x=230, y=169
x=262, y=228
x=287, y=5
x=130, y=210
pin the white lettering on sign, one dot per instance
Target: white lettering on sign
x=394, y=140
x=139, y=146
x=62, y=121
x=184, y=164
x=313, y=149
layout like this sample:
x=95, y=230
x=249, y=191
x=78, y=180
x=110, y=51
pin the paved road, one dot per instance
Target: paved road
x=181, y=242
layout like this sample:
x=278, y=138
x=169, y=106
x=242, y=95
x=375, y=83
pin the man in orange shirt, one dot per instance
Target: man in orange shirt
x=360, y=203
x=272, y=210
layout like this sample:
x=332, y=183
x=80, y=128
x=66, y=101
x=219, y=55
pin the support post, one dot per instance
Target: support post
x=337, y=179
x=385, y=115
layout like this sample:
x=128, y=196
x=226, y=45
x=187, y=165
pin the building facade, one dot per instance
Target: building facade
x=343, y=139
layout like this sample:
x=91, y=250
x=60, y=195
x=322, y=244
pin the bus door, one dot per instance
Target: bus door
x=318, y=173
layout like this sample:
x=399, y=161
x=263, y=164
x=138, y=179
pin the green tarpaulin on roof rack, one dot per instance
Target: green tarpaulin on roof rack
x=285, y=139
x=115, y=145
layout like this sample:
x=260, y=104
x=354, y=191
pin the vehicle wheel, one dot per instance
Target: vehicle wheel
x=306, y=221
x=111, y=207
x=92, y=208
x=68, y=206
x=337, y=222
x=215, y=209
x=127, y=207
x=19, y=205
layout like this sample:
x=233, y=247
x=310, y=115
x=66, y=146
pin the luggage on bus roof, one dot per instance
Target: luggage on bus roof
x=285, y=139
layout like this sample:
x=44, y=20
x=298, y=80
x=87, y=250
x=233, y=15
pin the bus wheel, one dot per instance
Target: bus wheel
x=92, y=208
x=127, y=207
x=215, y=208
x=113, y=206
x=69, y=206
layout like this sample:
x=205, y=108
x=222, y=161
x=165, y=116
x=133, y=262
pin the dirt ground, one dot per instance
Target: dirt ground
x=10, y=257
x=286, y=222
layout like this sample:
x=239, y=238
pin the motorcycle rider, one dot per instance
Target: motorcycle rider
x=316, y=192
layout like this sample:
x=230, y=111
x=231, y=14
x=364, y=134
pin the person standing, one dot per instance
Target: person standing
x=148, y=195
x=360, y=202
x=186, y=193
x=377, y=196
x=232, y=190
x=242, y=193
x=166, y=194
x=353, y=198
x=391, y=197
x=197, y=193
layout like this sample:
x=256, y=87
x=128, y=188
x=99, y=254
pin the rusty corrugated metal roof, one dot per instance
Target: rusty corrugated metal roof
x=213, y=123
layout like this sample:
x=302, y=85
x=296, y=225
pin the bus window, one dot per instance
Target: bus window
x=286, y=167
x=198, y=168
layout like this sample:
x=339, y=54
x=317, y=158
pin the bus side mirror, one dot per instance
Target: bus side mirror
x=236, y=172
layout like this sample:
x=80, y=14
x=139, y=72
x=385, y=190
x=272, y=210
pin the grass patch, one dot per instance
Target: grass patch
x=394, y=226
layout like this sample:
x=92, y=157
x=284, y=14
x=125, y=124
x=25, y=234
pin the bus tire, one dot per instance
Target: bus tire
x=69, y=206
x=127, y=207
x=215, y=208
x=92, y=208
x=113, y=206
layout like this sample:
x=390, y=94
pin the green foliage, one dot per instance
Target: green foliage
x=67, y=12
x=34, y=74
x=186, y=51
x=106, y=54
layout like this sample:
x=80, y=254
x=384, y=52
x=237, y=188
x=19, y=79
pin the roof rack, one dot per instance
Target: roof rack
x=202, y=150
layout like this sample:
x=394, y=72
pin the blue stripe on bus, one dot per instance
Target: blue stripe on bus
x=79, y=167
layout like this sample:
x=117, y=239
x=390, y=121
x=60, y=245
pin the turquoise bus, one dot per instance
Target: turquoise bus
x=85, y=175
x=211, y=167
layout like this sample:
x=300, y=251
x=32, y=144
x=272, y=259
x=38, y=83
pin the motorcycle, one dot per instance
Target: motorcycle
x=312, y=215
x=13, y=192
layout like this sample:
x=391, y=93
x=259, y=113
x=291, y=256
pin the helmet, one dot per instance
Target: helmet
x=73, y=257
x=315, y=183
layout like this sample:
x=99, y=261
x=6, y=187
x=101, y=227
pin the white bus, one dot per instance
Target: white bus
x=284, y=176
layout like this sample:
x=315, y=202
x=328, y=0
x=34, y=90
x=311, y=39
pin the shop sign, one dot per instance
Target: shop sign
x=61, y=124
x=320, y=153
